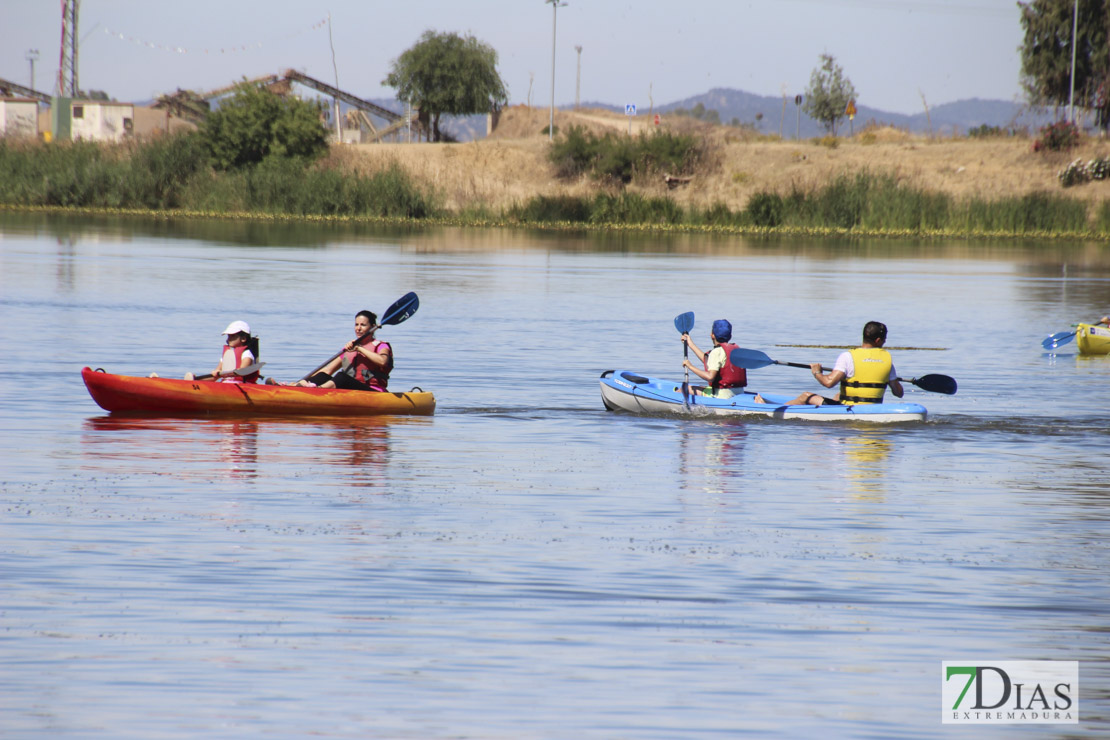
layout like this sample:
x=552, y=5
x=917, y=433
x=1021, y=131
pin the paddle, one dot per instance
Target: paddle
x=237, y=371
x=1063, y=337
x=402, y=308
x=753, y=359
x=1059, y=338
x=684, y=322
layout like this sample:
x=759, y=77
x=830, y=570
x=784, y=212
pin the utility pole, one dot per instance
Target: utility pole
x=578, y=79
x=335, y=100
x=1074, y=43
x=67, y=61
x=783, y=119
x=555, y=5
x=32, y=55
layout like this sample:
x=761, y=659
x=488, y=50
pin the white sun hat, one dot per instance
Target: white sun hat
x=237, y=326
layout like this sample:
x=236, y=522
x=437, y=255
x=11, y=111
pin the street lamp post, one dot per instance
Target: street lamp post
x=32, y=55
x=555, y=5
x=578, y=79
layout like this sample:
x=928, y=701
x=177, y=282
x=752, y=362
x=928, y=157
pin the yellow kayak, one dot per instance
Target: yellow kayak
x=1093, y=339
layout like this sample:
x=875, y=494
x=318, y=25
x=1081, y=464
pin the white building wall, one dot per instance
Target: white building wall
x=19, y=118
x=100, y=121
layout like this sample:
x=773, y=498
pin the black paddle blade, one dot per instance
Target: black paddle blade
x=405, y=307
x=684, y=322
x=750, y=359
x=936, y=384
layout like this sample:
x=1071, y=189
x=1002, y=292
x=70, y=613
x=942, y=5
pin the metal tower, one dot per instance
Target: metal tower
x=67, y=62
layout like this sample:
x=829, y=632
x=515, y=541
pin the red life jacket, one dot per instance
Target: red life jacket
x=251, y=378
x=362, y=370
x=730, y=376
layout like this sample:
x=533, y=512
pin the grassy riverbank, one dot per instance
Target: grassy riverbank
x=879, y=182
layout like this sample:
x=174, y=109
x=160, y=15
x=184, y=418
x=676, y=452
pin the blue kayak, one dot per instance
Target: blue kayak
x=624, y=390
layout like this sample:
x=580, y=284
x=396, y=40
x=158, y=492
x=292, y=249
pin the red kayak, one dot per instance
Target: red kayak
x=127, y=393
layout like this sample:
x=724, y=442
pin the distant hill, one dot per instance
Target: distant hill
x=944, y=119
x=766, y=114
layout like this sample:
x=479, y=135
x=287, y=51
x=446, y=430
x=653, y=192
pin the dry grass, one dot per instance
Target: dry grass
x=511, y=165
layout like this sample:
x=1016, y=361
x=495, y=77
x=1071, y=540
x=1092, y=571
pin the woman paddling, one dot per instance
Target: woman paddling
x=364, y=365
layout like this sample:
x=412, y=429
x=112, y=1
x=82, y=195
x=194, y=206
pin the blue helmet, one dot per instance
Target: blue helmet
x=722, y=330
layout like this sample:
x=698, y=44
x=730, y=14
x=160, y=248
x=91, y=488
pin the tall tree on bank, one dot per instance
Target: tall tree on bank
x=1046, y=53
x=828, y=93
x=444, y=73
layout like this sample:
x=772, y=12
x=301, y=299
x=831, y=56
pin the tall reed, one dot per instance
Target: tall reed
x=172, y=173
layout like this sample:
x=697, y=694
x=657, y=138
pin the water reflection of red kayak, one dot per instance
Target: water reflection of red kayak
x=125, y=393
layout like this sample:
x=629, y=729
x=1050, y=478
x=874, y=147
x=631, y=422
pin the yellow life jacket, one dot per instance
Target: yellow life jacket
x=868, y=384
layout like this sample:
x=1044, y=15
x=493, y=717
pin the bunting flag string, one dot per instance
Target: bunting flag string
x=235, y=49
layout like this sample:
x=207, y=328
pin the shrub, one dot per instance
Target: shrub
x=765, y=209
x=984, y=131
x=620, y=158
x=719, y=214
x=1061, y=136
x=633, y=208
x=160, y=170
x=545, y=208
x=892, y=205
x=1078, y=172
x=1075, y=173
x=1102, y=217
x=1032, y=212
x=285, y=186
x=616, y=159
x=574, y=153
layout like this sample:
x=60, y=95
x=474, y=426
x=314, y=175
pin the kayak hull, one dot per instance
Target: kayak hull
x=1093, y=339
x=130, y=394
x=627, y=391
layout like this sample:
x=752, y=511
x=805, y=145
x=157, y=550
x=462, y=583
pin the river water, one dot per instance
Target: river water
x=524, y=564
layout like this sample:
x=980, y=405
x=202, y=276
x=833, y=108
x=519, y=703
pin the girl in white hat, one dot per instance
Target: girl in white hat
x=236, y=355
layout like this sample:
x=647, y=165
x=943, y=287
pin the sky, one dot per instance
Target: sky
x=643, y=52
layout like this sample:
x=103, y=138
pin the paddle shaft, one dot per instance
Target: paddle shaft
x=752, y=359
x=237, y=371
x=369, y=333
x=800, y=364
x=402, y=309
x=686, y=378
x=933, y=383
x=1063, y=337
x=684, y=322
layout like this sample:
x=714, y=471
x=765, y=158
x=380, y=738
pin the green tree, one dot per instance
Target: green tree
x=1046, y=53
x=444, y=73
x=253, y=124
x=828, y=93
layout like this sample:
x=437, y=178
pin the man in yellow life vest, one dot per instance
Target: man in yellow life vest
x=862, y=373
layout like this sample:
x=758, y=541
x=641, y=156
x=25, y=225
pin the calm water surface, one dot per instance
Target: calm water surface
x=525, y=564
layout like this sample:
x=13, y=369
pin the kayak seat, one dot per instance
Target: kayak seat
x=638, y=379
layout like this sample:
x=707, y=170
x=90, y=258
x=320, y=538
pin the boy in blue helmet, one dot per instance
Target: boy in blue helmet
x=717, y=369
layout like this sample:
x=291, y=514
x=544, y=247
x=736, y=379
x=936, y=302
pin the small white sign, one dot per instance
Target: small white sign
x=630, y=109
